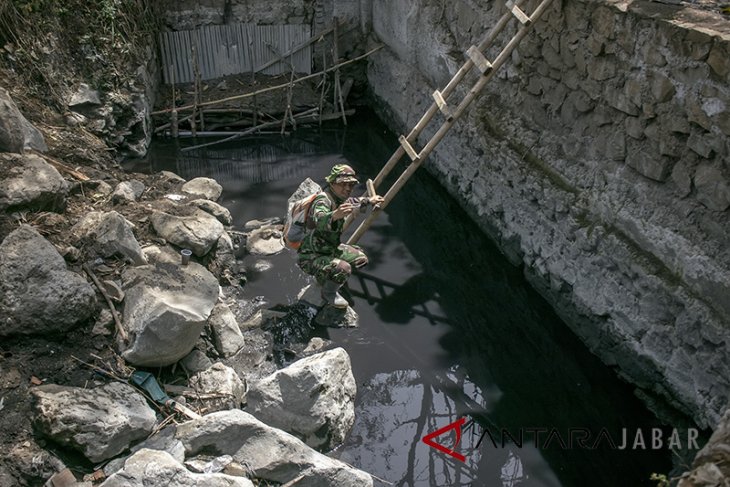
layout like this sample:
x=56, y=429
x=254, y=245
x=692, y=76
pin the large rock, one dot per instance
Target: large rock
x=16, y=132
x=153, y=468
x=313, y=399
x=37, y=293
x=84, y=96
x=203, y=188
x=222, y=380
x=227, y=336
x=270, y=453
x=220, y=212
x=128, y=191
x=100, y=423
x=713, y=460
x=198, y=232
x=165, y=310
x=304, y=189
x=27, y=181
x=110, y=234
x=265, y=241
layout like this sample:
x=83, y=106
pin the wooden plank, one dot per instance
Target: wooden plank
x=408, y=148
x=518, y=13
x=371, y=188
x=439, y=99
x=479, y=60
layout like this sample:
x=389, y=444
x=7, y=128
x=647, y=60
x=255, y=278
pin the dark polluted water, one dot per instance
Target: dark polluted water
x=448, y=330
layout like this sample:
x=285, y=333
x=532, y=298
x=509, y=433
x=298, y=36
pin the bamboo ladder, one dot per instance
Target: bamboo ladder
x=475, y=58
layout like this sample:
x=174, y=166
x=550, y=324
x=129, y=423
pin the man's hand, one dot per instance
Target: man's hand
x=343, y=211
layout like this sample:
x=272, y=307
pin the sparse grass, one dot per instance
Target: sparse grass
x=51, y=43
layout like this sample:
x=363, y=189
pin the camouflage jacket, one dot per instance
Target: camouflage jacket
x=323, y=235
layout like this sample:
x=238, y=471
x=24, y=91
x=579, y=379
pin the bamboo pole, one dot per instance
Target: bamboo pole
x=195, y=89
x=249, y=41
x=173, y=115
x=338, y=86
x=303, y=118
x=324, y=84
x=272, y=88
x=468, y=99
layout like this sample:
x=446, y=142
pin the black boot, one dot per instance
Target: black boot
x=331, y=296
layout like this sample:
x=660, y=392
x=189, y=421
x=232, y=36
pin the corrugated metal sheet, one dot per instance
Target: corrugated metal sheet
x=223, y=50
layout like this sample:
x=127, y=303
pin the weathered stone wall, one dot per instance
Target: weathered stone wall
x=598, y=158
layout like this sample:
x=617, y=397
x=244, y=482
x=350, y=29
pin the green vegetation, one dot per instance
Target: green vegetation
x=52, y=43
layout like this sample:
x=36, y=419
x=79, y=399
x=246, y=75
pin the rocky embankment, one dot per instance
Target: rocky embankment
x=133, y=367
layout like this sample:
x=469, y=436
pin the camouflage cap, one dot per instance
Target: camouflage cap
x=342, y=173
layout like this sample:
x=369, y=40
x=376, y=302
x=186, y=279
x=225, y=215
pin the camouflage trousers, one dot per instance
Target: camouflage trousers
x=337, y=267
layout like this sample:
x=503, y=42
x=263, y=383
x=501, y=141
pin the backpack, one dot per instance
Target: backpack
x=297, y=221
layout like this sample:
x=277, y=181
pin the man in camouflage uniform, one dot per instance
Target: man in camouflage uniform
x=321, y=254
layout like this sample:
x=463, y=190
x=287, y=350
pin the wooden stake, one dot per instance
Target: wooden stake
x=338, y=87
x=173, y=114
x=195, y=89
x=174, y=124
x=324, y=84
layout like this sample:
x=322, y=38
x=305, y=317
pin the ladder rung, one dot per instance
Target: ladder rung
x=438, y=97
x=519, y=14
x=479, y=60
x=409, y=149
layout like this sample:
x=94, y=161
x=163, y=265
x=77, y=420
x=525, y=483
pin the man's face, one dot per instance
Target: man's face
x=342, y=190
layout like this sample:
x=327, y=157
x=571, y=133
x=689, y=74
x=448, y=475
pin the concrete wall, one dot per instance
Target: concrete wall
x=599, y=160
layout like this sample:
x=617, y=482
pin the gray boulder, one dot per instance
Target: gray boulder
x=197, y=232
x=270, y=453
x=37, y=293
x=218, y=211
x=128, y=191
x=196, y=361
x=100, y=423
x=16, y=132
x=165, y=310
x=265, y=240
x=712, y=460
x=203, y=188
x=227, y=336
x=713, y=188
x=223, y=380
x=153, y=468
x=110, y=234
x=27, y=181
x=225, y=256
x=84, y=96
x=304, y=189
x=313, y=399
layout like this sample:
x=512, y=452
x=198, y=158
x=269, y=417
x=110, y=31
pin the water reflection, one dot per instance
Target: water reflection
x=399, y=408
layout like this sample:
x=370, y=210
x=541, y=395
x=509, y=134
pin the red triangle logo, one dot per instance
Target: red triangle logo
x=456, y=425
